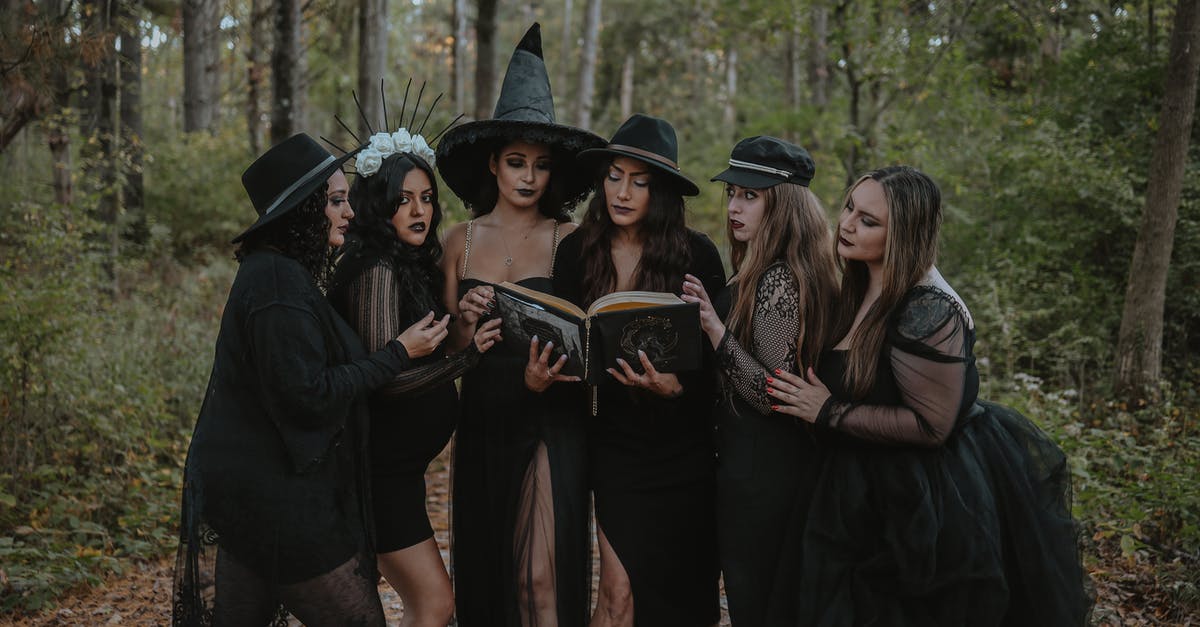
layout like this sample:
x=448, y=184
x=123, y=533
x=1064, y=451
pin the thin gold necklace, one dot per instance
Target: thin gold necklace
x=508, y=260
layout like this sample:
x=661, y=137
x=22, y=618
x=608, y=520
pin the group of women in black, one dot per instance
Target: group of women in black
x=829, y=460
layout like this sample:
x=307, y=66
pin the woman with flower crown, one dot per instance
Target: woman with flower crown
x=520, y=549
x=387, y=278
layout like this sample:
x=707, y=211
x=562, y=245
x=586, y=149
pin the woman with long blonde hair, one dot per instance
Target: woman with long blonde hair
x=776, y=316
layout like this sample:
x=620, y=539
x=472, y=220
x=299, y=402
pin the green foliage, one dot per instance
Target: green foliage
x=97, y=395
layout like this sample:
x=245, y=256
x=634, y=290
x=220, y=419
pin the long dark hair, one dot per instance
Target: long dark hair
x=552, y=203
x=376, y=199
x=910, y=250
x=666, y=254
x=302, y=234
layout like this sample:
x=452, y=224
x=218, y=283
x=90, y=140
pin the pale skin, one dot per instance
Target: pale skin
x=417, y=573
x=627, y=193
x=515, y=230
x=862, y=236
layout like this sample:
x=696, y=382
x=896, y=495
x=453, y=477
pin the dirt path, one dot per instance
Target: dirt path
x=1128, y=594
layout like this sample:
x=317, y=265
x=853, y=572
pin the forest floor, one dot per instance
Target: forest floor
x=1128, y=592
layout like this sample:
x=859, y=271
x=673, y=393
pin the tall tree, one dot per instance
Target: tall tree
x=485, y=58
x=285, y=71
x=818, y=55
x=201, y=61
x=129, y=75
x=587, y=64
x=372, y=61
x=1139, y=345
x=458, y=68
x=627, y=70
x=259, y=35
x=729, y=114
x=564, y=55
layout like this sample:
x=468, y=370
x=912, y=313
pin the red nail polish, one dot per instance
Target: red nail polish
x=777, y=371
x=770, y=380
x=774, y=407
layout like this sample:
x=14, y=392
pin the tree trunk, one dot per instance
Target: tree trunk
x=627, y=85
x=458, y=69
x=564, y=58
x=818, y=56
x=201, y=59
x=285, y=70
x=485, y=59
x=130, y=64
x=729, y=118
x=587, y=65
x=58, y=137
x=259, y=33
x=1139, y=346
x=372, y=64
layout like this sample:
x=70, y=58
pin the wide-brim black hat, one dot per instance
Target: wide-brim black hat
x=286, y=174
x=762, y=161
x=524, y=112
x=648, y=139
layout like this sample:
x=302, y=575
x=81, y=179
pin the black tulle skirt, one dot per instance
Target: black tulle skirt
x=976, y=532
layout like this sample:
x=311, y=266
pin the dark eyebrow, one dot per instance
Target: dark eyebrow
x=427, y=190
x=514, y=153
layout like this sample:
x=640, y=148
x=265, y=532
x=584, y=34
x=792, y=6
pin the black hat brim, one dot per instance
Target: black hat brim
x=464, y=151
x=747, y=179
x=293, y=200
x=591, y=159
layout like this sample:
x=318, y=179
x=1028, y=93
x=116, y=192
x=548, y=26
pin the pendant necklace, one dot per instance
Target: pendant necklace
x=508, y=260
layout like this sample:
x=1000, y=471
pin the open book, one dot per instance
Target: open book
x=617, y=325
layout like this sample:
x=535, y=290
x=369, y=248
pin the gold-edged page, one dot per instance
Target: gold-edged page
x=546, y=299
x=619, y=301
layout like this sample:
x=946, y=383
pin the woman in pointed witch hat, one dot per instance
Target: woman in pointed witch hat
x=387, y=277
x=274, y=503
x=650, y=442
x=521, y=542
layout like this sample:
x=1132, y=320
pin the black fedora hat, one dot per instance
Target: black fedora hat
x=649, y=139
x=285, y=175
x=524, y=112
x=761, y=161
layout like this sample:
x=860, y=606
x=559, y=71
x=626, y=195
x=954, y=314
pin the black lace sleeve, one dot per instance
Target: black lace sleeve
x=928, y=351
x=375, y=314
x=775, y=328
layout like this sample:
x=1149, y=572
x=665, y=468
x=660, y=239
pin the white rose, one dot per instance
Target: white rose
x=383, y=144
x=402, y=140
x=421, y=148
x=368, y=161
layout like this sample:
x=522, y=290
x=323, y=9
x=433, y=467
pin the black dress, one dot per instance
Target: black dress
x=413, y=416
x=652, y=471
x=275, y=479
x=930, y=507
x=764, y=459
x=502, y=428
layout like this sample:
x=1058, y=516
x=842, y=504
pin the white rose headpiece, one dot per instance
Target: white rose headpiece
x=381, y=145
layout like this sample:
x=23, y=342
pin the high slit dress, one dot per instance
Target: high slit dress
x=495, y=515
x=652, y=470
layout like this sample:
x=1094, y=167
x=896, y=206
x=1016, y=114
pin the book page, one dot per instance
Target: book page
x=550, y=300
x=618, y=301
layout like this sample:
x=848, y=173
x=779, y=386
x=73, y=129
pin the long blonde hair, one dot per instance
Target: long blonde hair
x=794, y=230
x=910, y=250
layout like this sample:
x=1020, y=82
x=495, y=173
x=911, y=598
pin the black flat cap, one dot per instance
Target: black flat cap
x=761, y=161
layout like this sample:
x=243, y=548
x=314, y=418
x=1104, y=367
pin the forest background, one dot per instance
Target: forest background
x=125, y=126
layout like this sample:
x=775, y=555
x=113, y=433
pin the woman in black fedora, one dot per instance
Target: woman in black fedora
x=773, y=315
x=274, y=507
x=387, y=277
x=520, y=549
x=650, y=440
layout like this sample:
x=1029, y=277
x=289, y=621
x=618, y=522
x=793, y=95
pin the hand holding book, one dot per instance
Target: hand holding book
x=710, y=322
x=663, y=384
x=539, y=372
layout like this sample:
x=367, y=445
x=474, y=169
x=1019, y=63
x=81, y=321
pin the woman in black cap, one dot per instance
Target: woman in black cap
x=387, y=277
x=520, y=548
x=650, y=441
x=930, y=507
x=274, y=510
x=773, y=315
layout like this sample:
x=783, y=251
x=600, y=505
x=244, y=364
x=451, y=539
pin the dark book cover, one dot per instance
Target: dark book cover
x=669, y=335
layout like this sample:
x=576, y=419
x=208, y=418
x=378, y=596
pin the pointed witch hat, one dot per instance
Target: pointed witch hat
x=524, y=112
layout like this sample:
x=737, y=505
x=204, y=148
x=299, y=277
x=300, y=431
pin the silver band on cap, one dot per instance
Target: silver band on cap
x=299, y=182
x=746, y=165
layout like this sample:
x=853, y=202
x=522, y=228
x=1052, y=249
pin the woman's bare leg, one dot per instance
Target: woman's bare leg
x=418, y=575
x=614, y=601
x=534, y=546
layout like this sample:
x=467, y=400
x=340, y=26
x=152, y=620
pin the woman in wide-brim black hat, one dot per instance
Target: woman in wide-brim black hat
x=649, y=443
x=274, y=509
x=521, y=543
